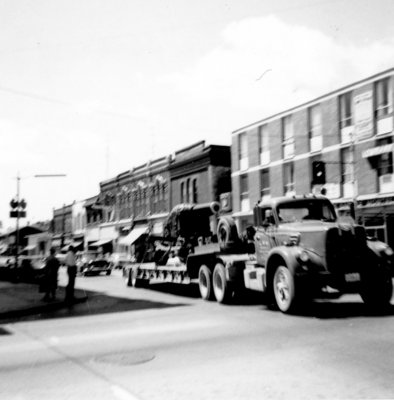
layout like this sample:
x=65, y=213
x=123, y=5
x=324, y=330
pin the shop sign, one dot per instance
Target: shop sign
x=363, y=115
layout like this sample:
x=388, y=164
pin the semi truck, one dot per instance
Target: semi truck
x=297, y=249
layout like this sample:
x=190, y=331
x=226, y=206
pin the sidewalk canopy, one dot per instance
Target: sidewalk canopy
x=30, y=247
x=73, y=244
x=133, y=235
x=101, y=242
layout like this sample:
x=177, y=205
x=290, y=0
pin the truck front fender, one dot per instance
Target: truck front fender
x=281, y=255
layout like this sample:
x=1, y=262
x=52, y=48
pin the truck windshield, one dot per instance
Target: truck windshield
x=302, y=210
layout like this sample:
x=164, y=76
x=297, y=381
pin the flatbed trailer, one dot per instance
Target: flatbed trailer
x=218, y=274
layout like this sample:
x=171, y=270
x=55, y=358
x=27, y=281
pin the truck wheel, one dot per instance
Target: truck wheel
x=377, y=289
x=205, y=282
x=221, y=287
x=227, y=233
x=283, y=288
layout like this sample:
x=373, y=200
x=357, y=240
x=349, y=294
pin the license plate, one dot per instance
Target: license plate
x=353, y=277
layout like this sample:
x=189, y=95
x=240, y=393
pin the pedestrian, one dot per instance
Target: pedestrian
x=70, y=262
x=51, y=269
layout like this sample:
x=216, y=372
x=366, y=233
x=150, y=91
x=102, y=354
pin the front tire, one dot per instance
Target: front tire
x=205, y=282
x=221, y=287
x=377, y=289
x=284, y=289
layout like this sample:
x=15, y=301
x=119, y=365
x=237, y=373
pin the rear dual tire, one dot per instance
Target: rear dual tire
x=214, y=285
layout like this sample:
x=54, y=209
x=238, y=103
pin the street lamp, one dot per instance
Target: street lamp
x=18, y=207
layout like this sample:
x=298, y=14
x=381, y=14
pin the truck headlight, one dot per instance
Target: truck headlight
x=388, y=251
x=303, y=256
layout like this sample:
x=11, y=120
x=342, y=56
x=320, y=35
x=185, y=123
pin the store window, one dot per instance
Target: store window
x=287, y=137
x=243, y=151
x=244, y=190
x=265, y=184
x=288, y=179
x=315, y=128
x=264, y=152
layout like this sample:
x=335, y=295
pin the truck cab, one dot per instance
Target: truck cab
x=303, y=248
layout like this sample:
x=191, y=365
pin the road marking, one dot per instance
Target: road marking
x=122, y=394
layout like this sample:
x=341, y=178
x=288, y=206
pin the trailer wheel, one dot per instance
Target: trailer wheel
x=205, y=282
x=284, y=289
x=221, y=287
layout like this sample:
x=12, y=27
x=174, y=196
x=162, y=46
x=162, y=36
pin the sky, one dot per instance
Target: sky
x=94, y=88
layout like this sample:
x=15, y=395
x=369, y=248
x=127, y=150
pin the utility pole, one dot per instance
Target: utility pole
x=18, y=207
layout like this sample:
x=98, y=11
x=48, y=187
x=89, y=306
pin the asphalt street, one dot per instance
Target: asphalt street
x=166, y=343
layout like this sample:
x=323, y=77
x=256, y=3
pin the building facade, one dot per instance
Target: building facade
x=347, y=135
x=139, y=200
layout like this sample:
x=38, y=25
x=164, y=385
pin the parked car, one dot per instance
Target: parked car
x=91, y=263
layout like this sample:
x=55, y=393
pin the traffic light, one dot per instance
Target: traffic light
x=318, y=173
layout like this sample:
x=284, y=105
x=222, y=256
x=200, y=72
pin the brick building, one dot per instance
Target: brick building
x=350, y=130
x=139, y=200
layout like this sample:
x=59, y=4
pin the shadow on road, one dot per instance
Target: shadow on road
x=93, y=304
x=337, y=310
x=190, y=291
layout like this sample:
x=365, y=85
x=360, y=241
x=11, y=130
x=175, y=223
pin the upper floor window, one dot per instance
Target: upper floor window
x=243, y=151
x=385, y=169
x=345, y=110
x=264, y=151
x=195, y=195
x=244, y=191
x=288, y=179
x=383, y=98
x=265, y=184
x=183, y=192
x=315, y=128
x=287, y=137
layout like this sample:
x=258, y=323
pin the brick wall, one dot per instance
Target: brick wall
x=253, y=147
x=235, y=152
x=330, y=124
x=300, y=122
x=366, y=176
x=302, y=176
x=275, y=139
x=276, y=180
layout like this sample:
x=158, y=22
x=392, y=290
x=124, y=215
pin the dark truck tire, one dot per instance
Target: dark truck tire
x=284, y=289
x=221, y=287
x=205, y=282
x=377, y=289
x=227, y=233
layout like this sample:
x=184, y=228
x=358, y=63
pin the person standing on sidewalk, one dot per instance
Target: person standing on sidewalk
x=51, y=269
x=70, y=262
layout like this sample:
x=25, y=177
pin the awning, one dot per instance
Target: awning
x=377, y=151
x=30, y=247
x=100, y=242
x=73, y=244
x=133, y=235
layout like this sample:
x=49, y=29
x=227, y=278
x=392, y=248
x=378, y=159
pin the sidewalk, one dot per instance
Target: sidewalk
x=23, y=299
